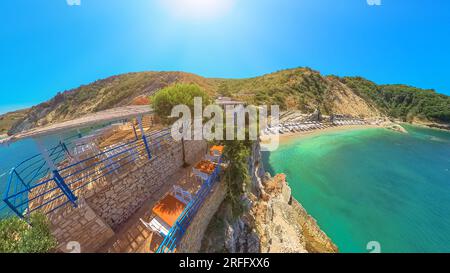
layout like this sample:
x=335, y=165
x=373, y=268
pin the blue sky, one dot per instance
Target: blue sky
x=48, y=46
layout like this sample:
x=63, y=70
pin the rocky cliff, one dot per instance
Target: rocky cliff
x=274, y=221
x=283, y=225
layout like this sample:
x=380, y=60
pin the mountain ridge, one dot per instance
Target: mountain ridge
x=300, y=88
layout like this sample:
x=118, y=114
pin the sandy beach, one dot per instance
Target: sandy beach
x=298, y=135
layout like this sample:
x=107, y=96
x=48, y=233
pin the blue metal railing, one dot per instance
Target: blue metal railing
x=26, y=176
x=32, y=186
x=177, y=231
x=33, y=169
x=4, y=210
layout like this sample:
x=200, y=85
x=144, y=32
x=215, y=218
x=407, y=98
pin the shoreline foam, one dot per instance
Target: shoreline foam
x=287, y=137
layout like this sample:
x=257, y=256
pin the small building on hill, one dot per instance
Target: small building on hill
x=225, y=101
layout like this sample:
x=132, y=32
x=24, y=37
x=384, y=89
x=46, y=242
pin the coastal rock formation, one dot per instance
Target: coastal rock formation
x=436, y=125
x=274, y=221
x=284, y=226
x=226, y=234
x=240, y=238
x=393, y=126
x=397, y=128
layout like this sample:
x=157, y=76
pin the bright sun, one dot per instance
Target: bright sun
x=198, y=9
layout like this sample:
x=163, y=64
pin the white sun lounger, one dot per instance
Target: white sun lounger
x=157, y=225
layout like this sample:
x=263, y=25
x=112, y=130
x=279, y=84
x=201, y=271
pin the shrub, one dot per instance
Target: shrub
x=17, y=236
x=237, y=177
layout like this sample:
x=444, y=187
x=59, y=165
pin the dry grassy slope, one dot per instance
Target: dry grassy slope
x=302, y=89
x=299, y=88
x=341, y=99
x=7, y=121
x=103, y=94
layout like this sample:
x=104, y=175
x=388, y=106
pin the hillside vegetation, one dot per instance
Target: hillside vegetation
x=402, y=101
x=293, y=89
x=101, y=95
x=7, y=121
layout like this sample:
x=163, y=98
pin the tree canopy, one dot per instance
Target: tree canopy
x=165, y=99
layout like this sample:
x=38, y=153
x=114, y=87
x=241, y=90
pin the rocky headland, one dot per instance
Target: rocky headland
x=274, y=221
x=283, y=225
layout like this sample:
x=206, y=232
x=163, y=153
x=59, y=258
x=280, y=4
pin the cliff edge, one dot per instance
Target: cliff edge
x=284, y=226
x=274, y=222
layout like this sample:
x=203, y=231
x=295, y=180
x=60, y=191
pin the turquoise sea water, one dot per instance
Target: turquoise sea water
x=14, y=153
x=373, y=185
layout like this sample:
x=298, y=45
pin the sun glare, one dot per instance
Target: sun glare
x=198, y=9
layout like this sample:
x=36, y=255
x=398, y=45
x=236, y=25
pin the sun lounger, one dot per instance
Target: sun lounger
x=157, y=225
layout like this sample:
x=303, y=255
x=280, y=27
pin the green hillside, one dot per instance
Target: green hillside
x=402, y=101
x=293, y=89
x=7, y=121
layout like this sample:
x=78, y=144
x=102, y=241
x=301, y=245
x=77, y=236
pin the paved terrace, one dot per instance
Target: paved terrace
x=93, y=163
x=91, y=171
x=35, y=184
x=133, y=236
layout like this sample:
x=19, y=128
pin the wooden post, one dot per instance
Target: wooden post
x=185, y=164
x=144, y=138
x=134, y=129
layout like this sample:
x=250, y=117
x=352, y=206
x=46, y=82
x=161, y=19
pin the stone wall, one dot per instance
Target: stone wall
x=112, y=203
x=80, y=225
x=120, y=199
x=192, y=239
